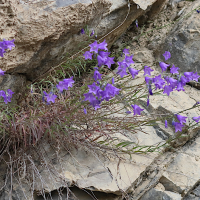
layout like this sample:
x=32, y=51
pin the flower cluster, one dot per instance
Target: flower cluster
x=62, y=85
x=6, y=44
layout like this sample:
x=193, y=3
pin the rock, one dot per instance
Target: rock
x=143, y=55
x=79, y=194
x=184, y=42
x=191, y=197
x=45, y=31
x=182, y=174
x=155, y=194
x=196, y=191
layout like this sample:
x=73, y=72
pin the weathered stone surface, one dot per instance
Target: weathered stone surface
x=184, y=42
x=155, y=194
x=45, y=31
x=182, y=174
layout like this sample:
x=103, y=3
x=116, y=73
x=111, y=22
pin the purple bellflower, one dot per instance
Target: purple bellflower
x=195, y=77
x=196, y=119
x=133, y=72
x=50, y=97
x=182, y=119
x=128, y=60
x=167, y=55
x=126, y=51
x=63, y=85
x=178, y=126
x=147, y=70
x=174, y=70
x=93, y=88
x=137, y=109
x=2, y=72
x=88, y=55
x=97, y=75
x=159, y=82
x=166, y=125
x=103, y=46
x=82, y=31
x=92, y=33
x=94, y=47
x=167, y=89
x=163, y=66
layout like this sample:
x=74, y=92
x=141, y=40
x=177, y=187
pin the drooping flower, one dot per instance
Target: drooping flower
x=178, y=126
x=159, y=82
x=112, y=90
x=167, y=89
x=195, y=77
x=85, y=111
x=97, y=75
x=196, y=119
x=82, y=31
x=92, y=33
x=166, y=125
x=50, y=97
x=89, y=97
x=188, y=75
x=137, y=110
x=173, y=82
x=148, y=80
x=167, y=55
x=147, y=102
x=63, y=85
x=182, y=119
x=2, y=72
x=128, y=112
x=174, y=70
x=136, y=23
x=88, y=55
x=113, y=80
x=163, y=66
x=133, y=72
x=147, y=70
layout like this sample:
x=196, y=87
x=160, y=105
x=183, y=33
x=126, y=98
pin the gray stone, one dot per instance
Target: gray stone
x=196, y=191
x=155, y=194
x=184, y=42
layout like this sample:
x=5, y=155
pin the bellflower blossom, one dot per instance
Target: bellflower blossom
x=97, y=75
x=182, y=119
x=88, y=55
x=2, y=72
x=178, y=126
x=50, y=97
x=6, y=44
x=163, y=66
x=196, y=119
x=133, y=72
x=63, y=85
x=82, y=31
x=128, y=60
x=166, y=125
x=174, y=70
x=159, y=82
x=126, y=51
x=147, y=70
x=167, y=55
x=137, y=109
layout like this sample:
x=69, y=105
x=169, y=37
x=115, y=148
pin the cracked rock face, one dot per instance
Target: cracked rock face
x=45, y=31
x=184, y=41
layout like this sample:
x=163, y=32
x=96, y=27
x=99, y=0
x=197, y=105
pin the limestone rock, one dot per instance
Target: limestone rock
x=155, y=194
x=184, y=42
